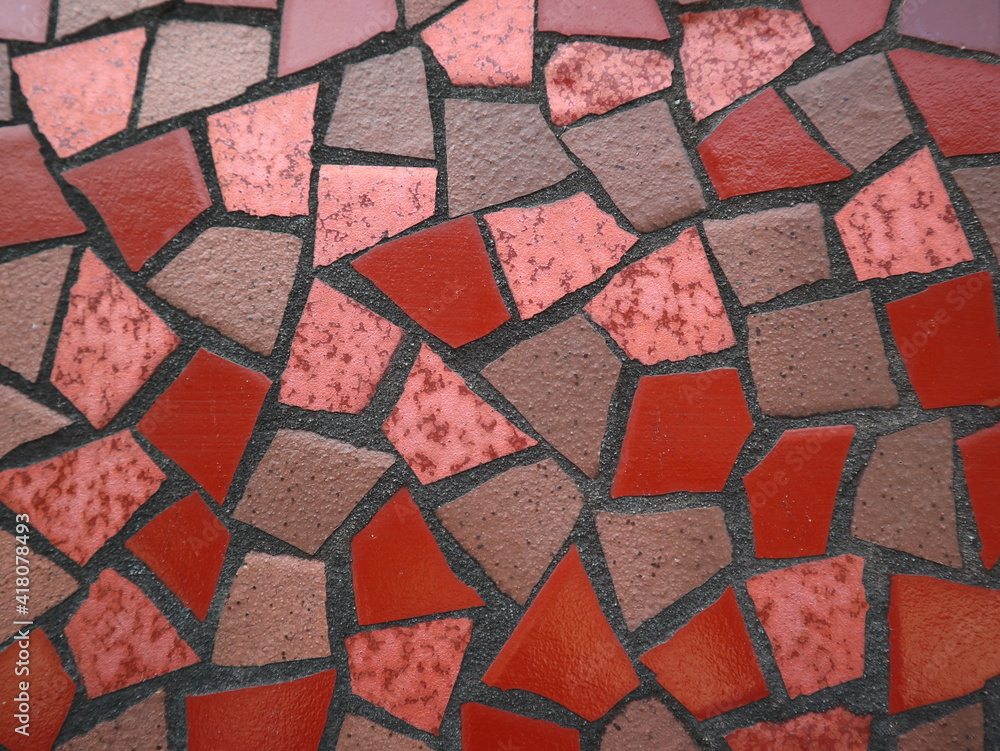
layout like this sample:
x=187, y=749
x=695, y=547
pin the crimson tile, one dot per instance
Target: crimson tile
x=638, y=19
x=142, y=727
x=948, y=338
x=146, y=193
x=727, y=54
x=968, y=24
x=49, y=690
x=684, y=432
x=655, y=559
x=418, y=11
x=398, y=569
x=761, y=146
x=314, y=30
x=549, y=251
x=826, y=356
x=306, y=485
x=793, y=491
x=74, y=15
x=235, y=280
x=836, y=729
x=82, y=498
x=709, y=664
x=666, y=306
x=203, y=421
x=23, y=420
x=119, y=638
x=185, y=546
x=6, y=113
x=50, y=585
x=497, y=152
x=488, y=729
x=441, y=277
x=959, y=98
x=339, y=354
x=361, y=205
x=564, y=649
x=261, y=153
x=409, y=671
x=110, y=345
x=515, y=523
x=289, y=716
x=275, y=612
x=960, y=731
x=360, y=734
x=25, y=20
x=845, y=22
x=646, y=722
x=640, y=160
x=981, y=459
x=981, y=187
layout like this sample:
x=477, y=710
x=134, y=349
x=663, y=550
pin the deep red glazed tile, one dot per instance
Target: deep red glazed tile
x=968, y=24
x=314, y=30
x=960, y=731
x=638, y=19
x=564, y=648
x=981, y=186
x=398, y=569
x=146, y=194
x=203, y=421
x=142, y=727
x=944, y=640
x=441, y=277
x=110, y=345
x=410, y=671
x=119, y=638
x=49, y=694
x=959, y=98
x=684, y=432
x=82, y=498
x=488, y=729
x=845, y=22
x=25, y=20
x=948, y=338
x=646, y=723
x=793, y=491
x=981, y=459
x=185, y=546
x=360, y=734
x=709, y=664
x=23, y=420
x=761, y=146
x=74, y=15
x=288, y=716
x=50, y=585
x=836, y=729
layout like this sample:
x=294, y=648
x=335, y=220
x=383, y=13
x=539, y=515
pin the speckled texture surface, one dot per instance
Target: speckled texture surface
x=837, y=729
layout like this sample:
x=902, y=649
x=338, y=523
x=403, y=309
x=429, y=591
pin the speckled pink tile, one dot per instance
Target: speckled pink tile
x=111, y=343
x=639, y=19
x=50, y=585
x=261, y=153
x=22, y=420
x=441, y=427
x=80, y=499
x=119, y=638
x=666, y=306
x=360, y=205
x=314, y=30
x=834, y=730
x=904, y=221
x=142, y=727
x=339, y=354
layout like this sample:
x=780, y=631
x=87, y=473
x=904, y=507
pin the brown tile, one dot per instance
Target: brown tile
x=960, y=731
x=418, y=11
x=981, y=186
x=6, y=113
x=967, y=24
x=638, y=19
x=25, y=20
x=360, y=734
x=314, y=30
x=50, y=585
x=646, y=723
x=22, y=420
x=142, y=727
x=79, y=14
x=845, y=22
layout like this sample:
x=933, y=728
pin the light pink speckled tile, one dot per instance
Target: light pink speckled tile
x=360, y=205
x=80, y=499
x=441, y=427
x=666, y=306
x=902, y=222
x=339, y=354
x=837, y=729
x=550, y=251
x=261, y=153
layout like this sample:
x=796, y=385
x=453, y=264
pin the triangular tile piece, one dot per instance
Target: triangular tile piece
x=119, y=637
x=960, y=731
x=50, y=585
x=497, y=152
x=399, y=571
x=382, y=106
x=549, y=251
x=203, y=421
x=418, y=11
x=637, y=19
x=22, y=420
x=235, y=280
x=836, y=728
x=845, y=22
x=142, y=727
x=441, y=427
x=410, y=671
x=655, y=559
x=75, y=15
x=360, y=734
x=185, y=546
x=82, y=498
x=110, y=345
x=966, y=24
x=709, y=665
x=981, y=459
x=576, y=661
x=50, y=695
x=515, y=523
x=442, y=278
x=264, y=718
x=486, y=729
x=82, y=93
x=981, y=186
x=314, y=30
x=646, y=723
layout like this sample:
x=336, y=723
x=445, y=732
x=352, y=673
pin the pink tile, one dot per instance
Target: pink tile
x=640, y=19
x=845, y=22
x=314, y=30
x=834, y=730
x=26, y=20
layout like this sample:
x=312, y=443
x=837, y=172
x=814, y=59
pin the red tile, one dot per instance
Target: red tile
x=981, y=457
x=845, y=22
x=709, y=665
x=564, y=648
x=314, y=30
x=488, y=729
x=398, y=569
x=948, y=338
x=761, y=146
x=49, y=694
x=146, y=194
x=834, y=730
x=684, y=432
x=26, y=20
x=638, y=19
x=793, y=491
x=203, y=421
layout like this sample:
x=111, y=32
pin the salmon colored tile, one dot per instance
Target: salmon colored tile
x=314, y=30
x=646, y=722
x=74, y=15
x=846, y=22
x=360, y=734
x=49, y=694
x=967, y=24
x=836, y=729
x=488, y=729
x=50, y=585
x=23, y=420
x=638, y=19
x=981, y=459
x=25, y=20
x=142, y=727
x=960, y=731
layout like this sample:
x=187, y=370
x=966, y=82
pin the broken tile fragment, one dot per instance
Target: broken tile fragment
x=50, y=585
x=637, y=19
x=639, y=159
x=967, y=24
x=655, y=559
x=959, y=731
x=141, y=727
x=23, y=420
x=418, y=11
x=646, y=722
x=24, y=20
x=360, y=734
x=6, y=111
x=314, y=30
x=485, y=728
x=74, y=15
x=981, y=186
x=981, y=459
x=836, y=729
x=845, y=22
x=50, y=692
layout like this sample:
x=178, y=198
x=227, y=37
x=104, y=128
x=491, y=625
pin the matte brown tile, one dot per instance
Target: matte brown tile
x=981, y=186
x=75, y=15
x=22, y=419
x=6, y=113
x=142, y=727
x=646, y=723
x=418, y=11
x=314, y=30
x=360, y=734
x=50, y=585
x=959, y=731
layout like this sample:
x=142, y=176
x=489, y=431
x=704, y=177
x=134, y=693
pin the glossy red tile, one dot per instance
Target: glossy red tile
x=845, y=22
x=981, y=186
x=981, y=459
x=25, y=20
x=837, y=729
x=960, y=731
x=314, y=30
x=646, y=722
x=49, y=693
x=488, y=729
x=360, y=734
x=967, y=24
x=142, y=727
x=638, y=19
x=50, y=585
x=23, y=420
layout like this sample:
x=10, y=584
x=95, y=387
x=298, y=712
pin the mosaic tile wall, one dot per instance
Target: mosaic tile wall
x=484, y=375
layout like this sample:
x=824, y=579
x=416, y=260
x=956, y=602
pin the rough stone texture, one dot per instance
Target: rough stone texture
x=981, y=187
x=826, y=356
x=766, y=254
x=646, y=723
x=50, y=692
x=834, y=730
x=26, y=20
x=360, y=734
x=959, y=731
x=981, y=461
x=142, y=727
x=6, y=111
x=418, y=11
x=75, y=15
x=968, y=24
x=50, y=585
x=22, y=420
x=639, y=19
x=314, y=30
x=640, y=160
